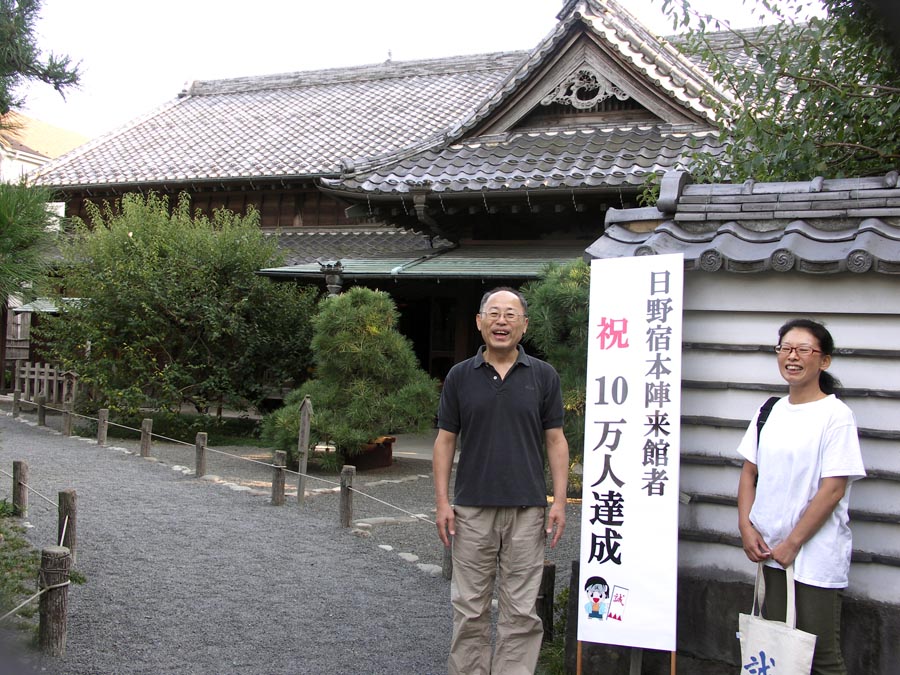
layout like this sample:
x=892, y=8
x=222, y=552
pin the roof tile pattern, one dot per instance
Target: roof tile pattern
x=300, y=124
x=564, y=159
x=818, y=227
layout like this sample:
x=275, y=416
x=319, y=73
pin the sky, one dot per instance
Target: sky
x=136, y=57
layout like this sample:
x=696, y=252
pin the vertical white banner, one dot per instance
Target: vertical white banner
x=629, y=517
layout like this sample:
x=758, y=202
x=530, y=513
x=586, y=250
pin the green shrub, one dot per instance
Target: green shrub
x=367, y=382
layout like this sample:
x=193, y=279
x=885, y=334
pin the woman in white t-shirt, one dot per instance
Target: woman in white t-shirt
x=795, y=487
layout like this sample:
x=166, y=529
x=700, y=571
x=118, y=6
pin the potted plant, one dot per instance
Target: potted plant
x=367, y=384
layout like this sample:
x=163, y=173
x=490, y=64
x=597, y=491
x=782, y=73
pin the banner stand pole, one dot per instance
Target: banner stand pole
x=672, y=668
x=637, y=660
x=578, y=658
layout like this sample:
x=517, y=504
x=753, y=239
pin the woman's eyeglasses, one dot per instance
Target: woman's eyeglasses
x=802, y=350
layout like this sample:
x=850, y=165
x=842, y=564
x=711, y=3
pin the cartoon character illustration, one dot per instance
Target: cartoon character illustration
x=598, y=593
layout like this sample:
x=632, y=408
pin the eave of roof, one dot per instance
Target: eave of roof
x=817, y=227
x=306, y=246
x=496, y=261
x=564, y=159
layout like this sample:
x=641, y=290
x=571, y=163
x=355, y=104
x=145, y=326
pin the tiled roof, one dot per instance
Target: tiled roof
x=480, y=261
x=647, y=55
x=563, y=159
x=818, y=227
x=299, y=124
x=308, y=246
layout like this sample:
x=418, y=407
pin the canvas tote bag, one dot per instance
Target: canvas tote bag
x=773, y=647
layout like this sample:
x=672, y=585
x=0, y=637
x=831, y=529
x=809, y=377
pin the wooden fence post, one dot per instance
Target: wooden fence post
x=146, y=431
x=20, y=488
x=68, y=519
x=200, y=454
x=27, y=375
x=303, y=448
x=347, y=474
x=54, y=576
x=67, y=419
x=42, y=410
x=17, y=403
x=544, y=604
x=278, y=478
x=102, y=425
x=45, y=381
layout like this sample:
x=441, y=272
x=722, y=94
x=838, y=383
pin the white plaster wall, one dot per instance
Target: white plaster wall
x=728, y=318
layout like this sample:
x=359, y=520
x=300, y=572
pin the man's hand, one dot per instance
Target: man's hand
x=446, y=523
x=556, y=522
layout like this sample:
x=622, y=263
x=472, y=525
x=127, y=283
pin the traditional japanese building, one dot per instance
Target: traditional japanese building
x=436, y=180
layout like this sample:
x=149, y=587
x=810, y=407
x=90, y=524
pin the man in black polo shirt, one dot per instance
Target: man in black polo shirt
x=505, y=407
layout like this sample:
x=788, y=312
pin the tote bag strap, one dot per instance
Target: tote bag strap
x=759, y=591
x=791, y=616
x=759, y=594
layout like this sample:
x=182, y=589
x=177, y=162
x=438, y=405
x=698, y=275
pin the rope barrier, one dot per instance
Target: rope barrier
x=63, y=535
x=417, y=516
x=261, y=463
x=32, y=598
x=28, y=487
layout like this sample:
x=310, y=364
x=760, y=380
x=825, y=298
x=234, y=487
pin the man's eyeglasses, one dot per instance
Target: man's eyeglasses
x=494, y=315
x=802, y=350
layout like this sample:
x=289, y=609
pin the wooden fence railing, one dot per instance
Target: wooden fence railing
x=44, y=379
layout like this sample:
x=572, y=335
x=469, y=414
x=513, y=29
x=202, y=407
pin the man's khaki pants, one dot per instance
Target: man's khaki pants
x=485, y=535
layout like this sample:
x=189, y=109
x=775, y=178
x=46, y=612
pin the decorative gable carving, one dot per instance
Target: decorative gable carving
x=584, y=89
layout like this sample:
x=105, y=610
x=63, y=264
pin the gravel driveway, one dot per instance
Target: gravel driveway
x=205, y=576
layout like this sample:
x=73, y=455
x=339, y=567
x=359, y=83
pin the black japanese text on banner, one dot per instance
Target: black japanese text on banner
x=629, y=528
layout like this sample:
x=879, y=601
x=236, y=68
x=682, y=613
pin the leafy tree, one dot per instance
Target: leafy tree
x=20, y=57
x=25, y=236
x=822, y=98
x=25, y=241
x=367, y=381
x=169, y=309
x=558, y=327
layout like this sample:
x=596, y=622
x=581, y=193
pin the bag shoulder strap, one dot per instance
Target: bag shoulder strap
x=764, y=415
x=759, y=594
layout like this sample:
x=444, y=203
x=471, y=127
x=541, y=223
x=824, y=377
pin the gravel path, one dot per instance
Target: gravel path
x=188, y=575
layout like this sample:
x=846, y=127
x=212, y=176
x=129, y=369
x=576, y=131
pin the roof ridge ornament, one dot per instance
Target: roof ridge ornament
x=583, y=89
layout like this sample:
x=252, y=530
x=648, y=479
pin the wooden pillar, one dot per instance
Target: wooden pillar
x=45, y=381
x=20, y=488
x=28, y=374
x=67, y=419
x=303, y=448
x=42, y=410
x=54, y=603
x=102, y=425
x=200, y=454
x=544, y=604
x=146, y=433
x=66, y=530
x=347, y=474
x=18, y=385
x=278, y=478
